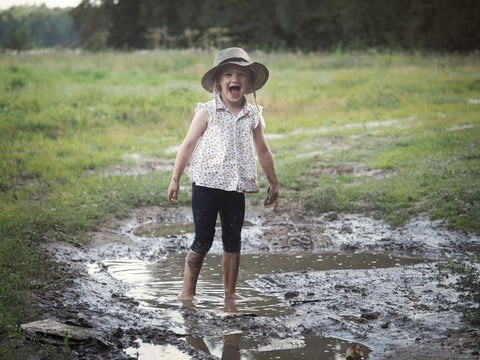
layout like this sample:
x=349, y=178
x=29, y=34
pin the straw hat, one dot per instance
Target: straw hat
x=237, y=56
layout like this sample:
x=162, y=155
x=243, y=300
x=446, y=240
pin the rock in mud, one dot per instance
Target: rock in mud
x=55, y=330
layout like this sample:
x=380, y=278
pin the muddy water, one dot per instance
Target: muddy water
x=233, y=346
x=307, y=294
x=155, y=286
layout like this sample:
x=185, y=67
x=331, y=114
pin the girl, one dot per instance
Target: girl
x=224, y=135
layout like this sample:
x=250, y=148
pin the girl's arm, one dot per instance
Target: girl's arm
x=197, y=127
x=265, y=158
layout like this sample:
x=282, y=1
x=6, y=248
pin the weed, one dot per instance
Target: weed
x=467, y=283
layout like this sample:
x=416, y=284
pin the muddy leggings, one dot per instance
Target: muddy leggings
x=206, y=204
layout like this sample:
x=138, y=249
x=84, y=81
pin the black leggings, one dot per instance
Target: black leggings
x=206, y=204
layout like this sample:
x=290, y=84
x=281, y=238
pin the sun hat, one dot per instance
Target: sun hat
x=237, y=56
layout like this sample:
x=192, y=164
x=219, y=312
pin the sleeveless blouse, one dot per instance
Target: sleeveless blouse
x=224, y=157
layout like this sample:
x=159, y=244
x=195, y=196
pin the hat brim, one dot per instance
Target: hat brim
x=260, y=75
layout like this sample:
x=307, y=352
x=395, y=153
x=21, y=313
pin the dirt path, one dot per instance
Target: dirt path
x=393, y=312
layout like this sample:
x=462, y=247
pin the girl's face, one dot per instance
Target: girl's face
x=234, y=81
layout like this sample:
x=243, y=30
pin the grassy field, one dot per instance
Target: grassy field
x=389, y=135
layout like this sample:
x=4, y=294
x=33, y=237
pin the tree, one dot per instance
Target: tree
x=92, y=23
x=452, y=25
x=19, y=40
x=127, y=27
x=24, y=27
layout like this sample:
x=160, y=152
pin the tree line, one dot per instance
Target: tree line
x=306, y=25
x=24, y=27
x=445, y=25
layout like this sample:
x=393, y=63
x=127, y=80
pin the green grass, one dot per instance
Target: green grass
x=467, y=283
x=390, y=135
x=430, y=172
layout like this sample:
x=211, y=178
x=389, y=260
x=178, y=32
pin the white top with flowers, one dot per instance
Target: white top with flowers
x=224, y=157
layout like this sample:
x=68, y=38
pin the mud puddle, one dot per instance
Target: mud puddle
x=155, y=286
x=233, y=346
x=311, y=285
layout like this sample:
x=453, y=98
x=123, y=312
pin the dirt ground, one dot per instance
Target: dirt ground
x=394, y=312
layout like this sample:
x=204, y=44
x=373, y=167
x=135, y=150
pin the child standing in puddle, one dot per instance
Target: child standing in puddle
x=223, y=137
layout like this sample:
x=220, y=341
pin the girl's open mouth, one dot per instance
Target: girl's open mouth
x=235, y=91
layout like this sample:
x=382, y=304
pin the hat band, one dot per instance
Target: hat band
x=232, y=60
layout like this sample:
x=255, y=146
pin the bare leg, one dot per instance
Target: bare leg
x=230, y=265
x=193, y=264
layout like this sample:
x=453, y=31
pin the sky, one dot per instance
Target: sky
x=6, y=4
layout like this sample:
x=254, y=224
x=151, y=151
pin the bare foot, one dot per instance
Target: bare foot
x=230, y=306
x=183, y=297
x=187, y=302
x=233, y=297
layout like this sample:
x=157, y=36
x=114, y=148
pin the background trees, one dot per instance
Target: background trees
x=439, y=25
x=23, y=27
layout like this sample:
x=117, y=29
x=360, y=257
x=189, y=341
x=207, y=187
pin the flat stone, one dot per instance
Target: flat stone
x=52, y=328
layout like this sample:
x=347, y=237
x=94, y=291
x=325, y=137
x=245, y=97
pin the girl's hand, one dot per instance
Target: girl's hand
x=173, y=192
x=272, y=196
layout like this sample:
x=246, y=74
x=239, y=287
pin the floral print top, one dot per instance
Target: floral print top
x=224, y=157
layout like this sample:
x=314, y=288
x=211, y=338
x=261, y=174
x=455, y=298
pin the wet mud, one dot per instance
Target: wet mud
x=312, y=287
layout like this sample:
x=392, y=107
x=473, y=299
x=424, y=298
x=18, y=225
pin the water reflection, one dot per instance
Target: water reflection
x=156, y=286
x=146, y=351
x=226, y=346
x=161, y=282
x=235, y=345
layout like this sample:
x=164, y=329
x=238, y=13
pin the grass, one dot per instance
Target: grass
x=467, y=283
x=390, y=135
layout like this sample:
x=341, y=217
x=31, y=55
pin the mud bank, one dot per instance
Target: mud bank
x=393, y=309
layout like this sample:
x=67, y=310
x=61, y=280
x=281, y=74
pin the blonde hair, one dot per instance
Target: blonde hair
x=262, y=120
x=215, y=99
